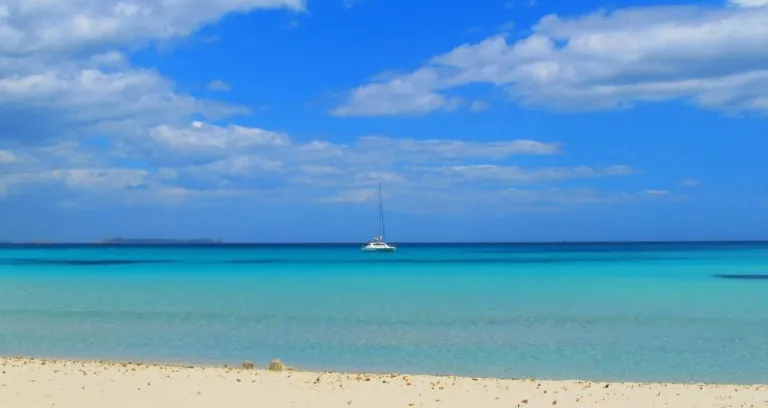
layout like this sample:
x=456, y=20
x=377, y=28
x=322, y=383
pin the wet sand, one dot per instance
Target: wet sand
x=38, y=383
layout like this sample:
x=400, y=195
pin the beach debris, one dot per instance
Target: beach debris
x=247, y=365
x=277, y=365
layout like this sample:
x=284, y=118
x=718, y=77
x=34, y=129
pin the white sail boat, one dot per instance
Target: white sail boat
x=378, y=244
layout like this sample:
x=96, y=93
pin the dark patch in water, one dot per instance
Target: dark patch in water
x=365, y=260
x=745, y=277
x=440, y=261
x=82, y=262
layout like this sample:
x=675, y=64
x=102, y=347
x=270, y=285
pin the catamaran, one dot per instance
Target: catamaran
x=378, y=244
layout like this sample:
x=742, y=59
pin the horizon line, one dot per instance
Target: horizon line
x=212, y=242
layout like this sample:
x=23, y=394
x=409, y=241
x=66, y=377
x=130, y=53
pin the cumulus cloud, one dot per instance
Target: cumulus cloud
x=656, y=192
x=409, y=94
x=478, y=106
x=173, y=163
x=65, y=76
x=517, y=175
x=80, y=119
x=749, y=3
x=7, y=157
x=567, y=197
x=351, y=196
x=236, y=154
x=689, y=182
x=83, y=98
x=63, y=71
x=218, y=85
x=712, y=57
x=34, y=26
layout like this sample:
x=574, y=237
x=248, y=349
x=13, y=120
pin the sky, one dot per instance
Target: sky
x=274, y=120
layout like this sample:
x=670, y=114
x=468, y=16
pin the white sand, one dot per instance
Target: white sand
x=34, y=383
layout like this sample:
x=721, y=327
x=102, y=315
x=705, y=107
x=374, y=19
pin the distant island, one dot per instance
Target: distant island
x=158, y=241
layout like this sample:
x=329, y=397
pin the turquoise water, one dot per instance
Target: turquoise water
x=589, y=311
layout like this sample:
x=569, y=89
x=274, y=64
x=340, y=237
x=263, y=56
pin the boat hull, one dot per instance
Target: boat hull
x=380, y=249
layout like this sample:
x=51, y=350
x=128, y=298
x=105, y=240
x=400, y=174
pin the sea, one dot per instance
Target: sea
x=679, y=312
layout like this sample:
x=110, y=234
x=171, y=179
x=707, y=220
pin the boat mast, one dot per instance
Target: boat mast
x=381, y=214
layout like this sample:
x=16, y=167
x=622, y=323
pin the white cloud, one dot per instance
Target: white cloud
x=217, y=85
x=206, y=142
x=447, y=149
x=689, y=182
x=62, y=72
x=235, y=154
x=82, y=98
x=350, y=3
x=517, y=175
x=200, y=141
x=111, y=178
x=7, y=157
x=496, y=201
x=749, y=3
x=656, y=192
x=78, y=178
x=713, y=57
x=478, y=106
x=566, y=197
x=30, y=26
x=202, y=160
x=351, y=196
x=66, y=76
x=406, y=95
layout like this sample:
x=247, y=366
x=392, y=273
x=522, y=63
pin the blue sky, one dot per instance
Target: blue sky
x=273, y=120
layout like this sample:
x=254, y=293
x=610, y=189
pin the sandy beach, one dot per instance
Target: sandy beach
x=38, y=383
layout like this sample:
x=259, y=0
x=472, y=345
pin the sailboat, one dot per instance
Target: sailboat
x=377, y=244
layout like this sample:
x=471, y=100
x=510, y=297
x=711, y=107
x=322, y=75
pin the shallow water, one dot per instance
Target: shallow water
x=659, y=312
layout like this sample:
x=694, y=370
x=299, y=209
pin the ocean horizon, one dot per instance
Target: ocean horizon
x=220, y=242
x=623, y=311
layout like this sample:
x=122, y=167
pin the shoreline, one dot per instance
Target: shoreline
x=261, y=366
x=42, y=382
